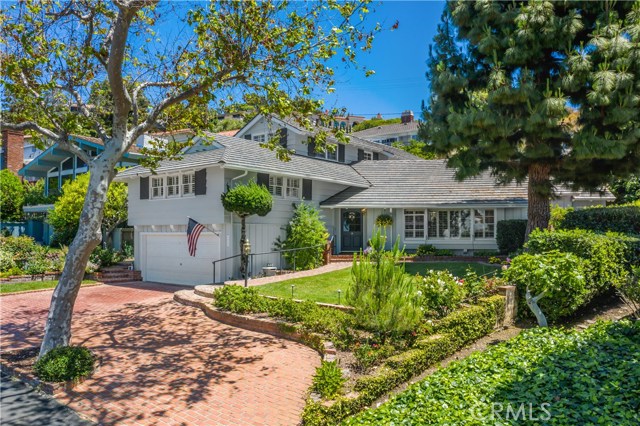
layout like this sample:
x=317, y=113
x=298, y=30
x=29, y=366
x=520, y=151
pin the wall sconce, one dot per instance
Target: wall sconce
x=363, y=211
x=246, y=247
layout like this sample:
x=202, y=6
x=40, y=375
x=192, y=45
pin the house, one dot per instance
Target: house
x=387, y=134
x=427, y=203
x=16, y=150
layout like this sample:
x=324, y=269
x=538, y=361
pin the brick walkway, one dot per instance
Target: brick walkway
x=277, y=278
x=164, y=363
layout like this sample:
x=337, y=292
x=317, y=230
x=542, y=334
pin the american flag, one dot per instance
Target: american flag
x=194, y=229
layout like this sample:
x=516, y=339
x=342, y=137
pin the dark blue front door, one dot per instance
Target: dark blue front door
x=351, y=226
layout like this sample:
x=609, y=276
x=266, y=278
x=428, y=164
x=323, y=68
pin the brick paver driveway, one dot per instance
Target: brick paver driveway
x=163, y=363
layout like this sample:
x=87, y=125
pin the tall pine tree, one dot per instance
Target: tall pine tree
x=544, y=91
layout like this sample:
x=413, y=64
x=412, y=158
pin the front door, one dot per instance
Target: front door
x=351, y=230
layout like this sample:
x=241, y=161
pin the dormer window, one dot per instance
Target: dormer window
x=368, y=155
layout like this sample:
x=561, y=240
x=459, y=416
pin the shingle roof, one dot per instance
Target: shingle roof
x=422, y=183
x=242, y=154
x=358, y=142
x=387, y=129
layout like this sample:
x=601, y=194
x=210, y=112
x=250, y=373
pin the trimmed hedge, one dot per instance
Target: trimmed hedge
x=606, y=255
x=602, y=219
x=455, y=331
x=510, y=235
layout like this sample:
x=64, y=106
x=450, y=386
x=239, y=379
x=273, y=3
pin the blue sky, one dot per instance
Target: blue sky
x=399, y=59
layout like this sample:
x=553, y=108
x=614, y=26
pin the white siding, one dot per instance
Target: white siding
x=174, y=211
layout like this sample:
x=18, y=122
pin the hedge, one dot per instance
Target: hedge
x=625, y=219
x=510, y=235
x=454, y=331
x=584, y=377
x=606, y=254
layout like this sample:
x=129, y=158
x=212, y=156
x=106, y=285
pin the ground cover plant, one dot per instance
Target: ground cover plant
x=9, y=288
x=568, y=377
x=324, y=287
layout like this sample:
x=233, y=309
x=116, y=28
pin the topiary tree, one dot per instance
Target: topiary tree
x=305, y=229
x=65, y=216
x=246, y=200
x=11, y=196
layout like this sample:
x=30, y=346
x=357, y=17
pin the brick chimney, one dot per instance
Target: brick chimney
x=407, y=116
x=12, y=150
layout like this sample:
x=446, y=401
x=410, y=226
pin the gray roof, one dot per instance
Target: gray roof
x=358, y=142
x=422, y=183
x=387, y=129
x=241, y=154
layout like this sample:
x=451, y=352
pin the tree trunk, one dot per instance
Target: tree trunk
x=532, y=303
x=58, y=327
x=539, y=194
x=244, y=258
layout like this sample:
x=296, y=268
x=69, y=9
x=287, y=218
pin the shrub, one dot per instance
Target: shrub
x=6, y=261
x=104, y=257
x=475, y=286
x=367, y=355
x=605, y=254
x=384, y=220
x=65, y=363
x=426, y=250
x=557, y=215
x=630, y=292
x=560, y=275
x=239, y=300
x=444, y=252
x=441, y=292
x=384, y=297
x=305, y=229
x=28, y=256
x=486, y=253
x=625, y=220
x=510, y=235
x=328, y=380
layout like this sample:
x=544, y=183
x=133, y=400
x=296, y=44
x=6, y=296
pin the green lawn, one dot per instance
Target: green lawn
x=324, y=288
x=32, y=285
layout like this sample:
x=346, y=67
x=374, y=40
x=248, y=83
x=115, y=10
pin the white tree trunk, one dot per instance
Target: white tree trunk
x=532, y=302
x=58, y=327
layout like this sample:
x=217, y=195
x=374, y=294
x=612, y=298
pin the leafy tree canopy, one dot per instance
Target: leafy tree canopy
x=67, y=209
x=626, y=190
x=547, y=91
x=374, y=122
x=11, y=196
x=417, y=148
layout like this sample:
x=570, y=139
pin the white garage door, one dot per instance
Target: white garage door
x=166, y=258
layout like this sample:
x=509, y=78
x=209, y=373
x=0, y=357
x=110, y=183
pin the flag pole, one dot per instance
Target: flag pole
x=205, y=227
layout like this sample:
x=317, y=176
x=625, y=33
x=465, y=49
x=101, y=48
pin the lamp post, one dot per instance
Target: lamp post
x=246, y=250
x=339, y=294
x=293, y=286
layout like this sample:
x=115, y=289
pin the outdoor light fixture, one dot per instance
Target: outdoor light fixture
x=339, y=294
x=246, y=247
x=292, y=287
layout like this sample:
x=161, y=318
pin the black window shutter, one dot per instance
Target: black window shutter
x=263, y=179
x=341, y=153
x=283, y=137
x=201, y=182
x=311, y=147
x=376, y=155
x=307, y=185
x=248, y=136
x=144, y=188
x=360, y=154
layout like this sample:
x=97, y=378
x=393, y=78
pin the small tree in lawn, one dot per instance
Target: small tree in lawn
x=384, y=297
x=67, y=209
x=246, y=200
x=11, y=196
x=306, y=229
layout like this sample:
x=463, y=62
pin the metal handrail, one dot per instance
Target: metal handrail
x=221, y=260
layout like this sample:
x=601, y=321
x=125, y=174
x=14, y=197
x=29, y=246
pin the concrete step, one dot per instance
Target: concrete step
x=206, y=290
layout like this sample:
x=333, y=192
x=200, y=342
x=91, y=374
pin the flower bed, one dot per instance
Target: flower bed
x=543, y=376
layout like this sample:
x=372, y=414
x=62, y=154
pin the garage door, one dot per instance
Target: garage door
x=166, y=258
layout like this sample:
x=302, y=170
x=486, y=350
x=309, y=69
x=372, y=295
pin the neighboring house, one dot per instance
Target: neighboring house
x=16, y=150
x=387, y=134
x=56, y=165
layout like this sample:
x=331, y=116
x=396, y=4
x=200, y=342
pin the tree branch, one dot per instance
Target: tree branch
x=85, y=111
x=141, y=87
x=74, y=149
x=32, y=125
